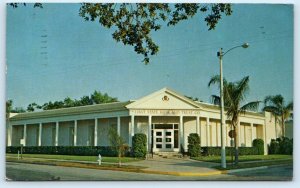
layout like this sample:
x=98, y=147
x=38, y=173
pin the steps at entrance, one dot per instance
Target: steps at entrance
x=168, y=154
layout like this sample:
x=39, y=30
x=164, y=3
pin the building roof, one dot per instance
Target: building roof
x=107, y=107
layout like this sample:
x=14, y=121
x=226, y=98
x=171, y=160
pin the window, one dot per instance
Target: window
x=158, y=145
x=168, y=133
x=158, y=133
x=168, y=145
x=168, y=139
x=158, y=139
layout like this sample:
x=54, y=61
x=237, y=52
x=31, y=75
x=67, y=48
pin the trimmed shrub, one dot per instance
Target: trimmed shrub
x=259, y=145
x=139, y=145
x=282, y=145
x=211, y=151
x=274, y=147
x=67, y=150
x=194, y=145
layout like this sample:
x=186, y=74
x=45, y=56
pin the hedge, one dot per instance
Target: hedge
x=194, y=145
x=139, y=145
x=207, y=151
x=281, y=145
x=259, y=144
x=67, y=150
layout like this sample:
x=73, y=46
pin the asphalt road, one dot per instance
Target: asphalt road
x=33, y=172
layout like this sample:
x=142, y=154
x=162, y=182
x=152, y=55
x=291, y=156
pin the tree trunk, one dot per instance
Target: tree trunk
x=236, y=154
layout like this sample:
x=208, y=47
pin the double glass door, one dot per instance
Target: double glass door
x=163, y=140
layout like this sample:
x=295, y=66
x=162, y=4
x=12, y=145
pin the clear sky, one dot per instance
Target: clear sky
x=78, y=57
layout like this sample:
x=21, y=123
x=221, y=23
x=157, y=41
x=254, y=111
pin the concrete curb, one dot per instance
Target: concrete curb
x=185, y=173
x=247, y=169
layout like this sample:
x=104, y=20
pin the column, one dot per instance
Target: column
x=56, y=133
x=149, y=133
x=75, y=133
x=24, y=134
x=197, y=125
x=40, y=134
x=119, y=125
x=9, y=139
x=251, y=134
x=207, y=132
x=264, y=128
x=131, y=130
x=181, y=132
x=96, y=132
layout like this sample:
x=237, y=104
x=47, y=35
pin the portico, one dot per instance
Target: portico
x=166, y=117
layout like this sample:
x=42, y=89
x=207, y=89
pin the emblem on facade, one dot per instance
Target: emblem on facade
x=165, y=98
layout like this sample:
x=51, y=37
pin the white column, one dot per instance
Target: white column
x=25, y=134
x=131, y=130
x=181, y=131
x=96, y=132
x=149, y=132
x=265, y=138
x=197, y=125
x=207, y=132
x=9, y=139
x=56, y=133
x=75, y=133
x=251, y=133
x=40, y=134
x=119, y=125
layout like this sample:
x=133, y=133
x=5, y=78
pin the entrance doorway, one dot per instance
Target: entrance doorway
x=165, y=137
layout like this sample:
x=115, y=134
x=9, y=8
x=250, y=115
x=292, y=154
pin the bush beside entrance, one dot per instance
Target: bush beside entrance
x=139, y=145
x=194, y=145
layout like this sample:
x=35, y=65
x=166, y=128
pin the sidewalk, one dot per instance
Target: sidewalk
x=181, y=167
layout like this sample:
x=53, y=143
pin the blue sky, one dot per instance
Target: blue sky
x=81, y=57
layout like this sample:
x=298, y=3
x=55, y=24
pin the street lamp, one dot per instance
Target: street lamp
x=221, y=54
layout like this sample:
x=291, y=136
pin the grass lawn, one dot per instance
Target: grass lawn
x=76, y=158
x=245, y=158
x=245, y=161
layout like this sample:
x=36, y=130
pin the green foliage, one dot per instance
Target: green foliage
x=133, y=23
x=194, y=145
x=216, y=151
x=281, y=145
x=259, y=145
x=276, y=105
x=139, y=145
x=67, y=150
x=274, y=147
x=117, y=142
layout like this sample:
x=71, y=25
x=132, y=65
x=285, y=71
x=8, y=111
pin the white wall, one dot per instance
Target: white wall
x=17, y=134
x=32, y=135
x=48, y=134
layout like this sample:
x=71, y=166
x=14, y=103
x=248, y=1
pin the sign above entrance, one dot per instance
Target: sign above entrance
x=164, y=112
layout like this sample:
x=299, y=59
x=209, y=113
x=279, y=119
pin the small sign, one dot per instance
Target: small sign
x=22, y=141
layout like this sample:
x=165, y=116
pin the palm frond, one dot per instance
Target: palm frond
x=272, y=109
x=214, y=80
x=251, y=106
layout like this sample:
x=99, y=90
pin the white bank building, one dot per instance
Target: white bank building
x=166, y=117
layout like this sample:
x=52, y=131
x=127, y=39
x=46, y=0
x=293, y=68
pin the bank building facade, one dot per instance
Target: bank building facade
x=166, y=117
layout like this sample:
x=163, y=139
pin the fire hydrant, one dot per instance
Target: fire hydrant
x=99, y=159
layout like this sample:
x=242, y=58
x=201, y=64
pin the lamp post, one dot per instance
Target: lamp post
x=221, y=54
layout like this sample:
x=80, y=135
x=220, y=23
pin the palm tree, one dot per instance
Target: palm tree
x=276, y=105
x=234, y=95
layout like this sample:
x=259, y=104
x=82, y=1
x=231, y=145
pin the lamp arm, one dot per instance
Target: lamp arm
x=231, y=49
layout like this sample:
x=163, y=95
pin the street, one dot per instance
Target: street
x=33, y=172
